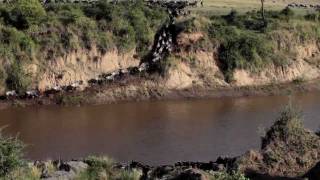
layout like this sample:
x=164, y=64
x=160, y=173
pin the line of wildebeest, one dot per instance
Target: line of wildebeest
x=192, y=2
x=304, y=6
x=101, y=79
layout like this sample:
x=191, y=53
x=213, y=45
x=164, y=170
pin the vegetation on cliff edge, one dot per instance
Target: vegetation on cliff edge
x=243, y=42
x=30, y=32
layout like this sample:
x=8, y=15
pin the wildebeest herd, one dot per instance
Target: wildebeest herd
x=191, y=2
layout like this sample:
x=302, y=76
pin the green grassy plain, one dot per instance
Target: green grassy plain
x=221, y=7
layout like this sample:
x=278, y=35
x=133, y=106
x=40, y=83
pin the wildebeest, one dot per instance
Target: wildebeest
x=32, y=94
x=11, y=93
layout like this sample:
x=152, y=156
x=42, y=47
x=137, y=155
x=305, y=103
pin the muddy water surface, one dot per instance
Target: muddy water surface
x=153, y=132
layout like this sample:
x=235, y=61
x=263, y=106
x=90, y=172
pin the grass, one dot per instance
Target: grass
x=228, y=176
x=103, y=168
x=223, y=7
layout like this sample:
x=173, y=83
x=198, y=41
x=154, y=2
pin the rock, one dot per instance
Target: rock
x=314, y=173
x=159, y=172
x=143, y=168
x=61, y=175
x=64, y=167
x=77, y=166
x=192, y=174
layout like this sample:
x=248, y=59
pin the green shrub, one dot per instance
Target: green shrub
x=143, y=34
x=17, y=78
x=287, y=12
x=193, y=24
x=124, y=34
x=3, y=76
x=312, y=17
x=245, y=51
x=169, y=62
x=228, y=176
x=98, y=166
x=105, y=42
x=25, y=13
x=231, y=18
x=286, y=128
x=24, y=173
x=128, y=175
x=68, y=14
x=103, y=168
x=10, y=155
x=132, y=24
x=15, y=44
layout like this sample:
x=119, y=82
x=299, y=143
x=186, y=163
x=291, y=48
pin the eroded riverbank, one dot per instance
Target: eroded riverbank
x=141, y=89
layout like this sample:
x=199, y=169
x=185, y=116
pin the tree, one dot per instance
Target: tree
x=262, y=13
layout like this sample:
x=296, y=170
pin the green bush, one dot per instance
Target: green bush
x=15, y=44
x=287, y=12
x=10, y=155
x=17, y=78
x=286, y=128
x=312, y=17
x=26, y=13
x=132, y=24
x=67, y=14
x=103, y=168
x=128, y=175
x=245, y=51
x=228, y=176
x=98, y=166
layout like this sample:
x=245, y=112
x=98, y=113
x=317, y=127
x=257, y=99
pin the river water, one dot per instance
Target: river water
x=156, y=133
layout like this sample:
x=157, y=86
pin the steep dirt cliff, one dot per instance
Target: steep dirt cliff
x=201, y=67
x=303, y=66
x=81, y=65
x=186, y=69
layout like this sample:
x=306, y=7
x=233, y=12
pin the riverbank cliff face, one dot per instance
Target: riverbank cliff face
x=196, y=68
x=192, y=56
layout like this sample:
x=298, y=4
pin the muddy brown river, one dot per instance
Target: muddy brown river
x=153, y=132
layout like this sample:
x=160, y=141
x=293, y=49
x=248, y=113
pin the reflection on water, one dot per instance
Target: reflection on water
x=152, y=132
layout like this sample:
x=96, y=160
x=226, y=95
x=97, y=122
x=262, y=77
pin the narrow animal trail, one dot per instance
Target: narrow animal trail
x=162, y=47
